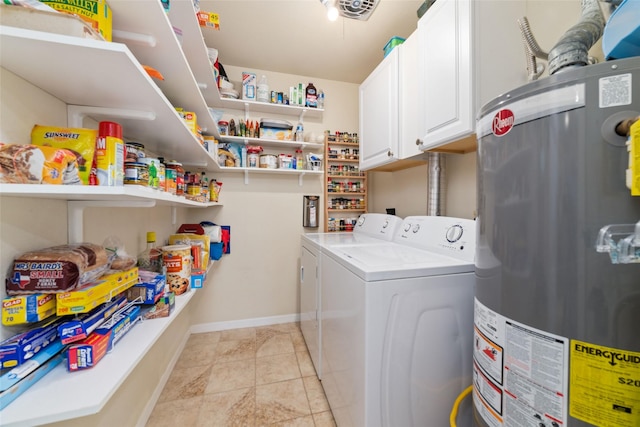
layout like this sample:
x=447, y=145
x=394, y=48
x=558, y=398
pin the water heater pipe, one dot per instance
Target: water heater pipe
x=572, y=50
x=436, y=185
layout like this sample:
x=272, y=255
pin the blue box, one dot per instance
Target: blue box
x=80, y=327
x=197, y=278
x=14, y=382
x=16, y=350
x=147, y=292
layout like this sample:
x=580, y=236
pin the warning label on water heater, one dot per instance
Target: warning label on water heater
x=519, y=372
x=605, y=385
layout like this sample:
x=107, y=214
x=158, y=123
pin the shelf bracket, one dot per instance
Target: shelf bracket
x=77, y=113
x=246, y=177
x=302, y=114
x=75, y=213
x=246, y=112
x=128, y=36
x=300, y=178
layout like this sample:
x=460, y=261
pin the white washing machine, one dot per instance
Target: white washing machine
x=370, y=228
x=397, y=319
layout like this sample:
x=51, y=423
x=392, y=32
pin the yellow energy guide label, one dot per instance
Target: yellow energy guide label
x=604, y=385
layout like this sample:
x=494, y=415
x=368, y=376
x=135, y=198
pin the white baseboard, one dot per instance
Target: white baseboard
x=245, y=323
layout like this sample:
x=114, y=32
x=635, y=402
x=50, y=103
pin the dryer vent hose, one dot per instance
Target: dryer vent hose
x=572, y=50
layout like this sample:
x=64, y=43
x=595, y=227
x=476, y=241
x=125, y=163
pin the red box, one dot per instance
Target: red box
x=88, y=352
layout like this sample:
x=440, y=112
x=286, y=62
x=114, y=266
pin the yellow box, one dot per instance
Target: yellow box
x=92, y=295
x=190, y=119
x=27, y=308
x=96, y=13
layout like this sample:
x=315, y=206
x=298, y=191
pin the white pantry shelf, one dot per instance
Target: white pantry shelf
x=110, y=79
x=63, y=395
x=93, y=193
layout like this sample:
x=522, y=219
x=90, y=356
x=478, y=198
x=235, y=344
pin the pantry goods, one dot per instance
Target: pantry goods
x=56, y=269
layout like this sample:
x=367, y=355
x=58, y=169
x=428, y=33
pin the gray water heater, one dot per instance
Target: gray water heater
x=557, y=307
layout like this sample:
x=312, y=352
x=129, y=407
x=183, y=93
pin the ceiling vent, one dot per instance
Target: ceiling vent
x=357, y=9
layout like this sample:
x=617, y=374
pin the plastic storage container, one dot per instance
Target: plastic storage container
x=393, y=42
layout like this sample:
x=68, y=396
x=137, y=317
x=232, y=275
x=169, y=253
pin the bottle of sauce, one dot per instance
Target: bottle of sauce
x=311, y=96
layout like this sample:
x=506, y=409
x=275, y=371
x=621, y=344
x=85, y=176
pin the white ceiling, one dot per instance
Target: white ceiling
x=295, y=36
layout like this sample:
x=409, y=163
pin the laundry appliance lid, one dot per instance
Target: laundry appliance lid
x=391, y=261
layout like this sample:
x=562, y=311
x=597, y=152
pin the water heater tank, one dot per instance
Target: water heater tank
x=556, y=323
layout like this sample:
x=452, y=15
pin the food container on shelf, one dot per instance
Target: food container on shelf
x=223, y=128
x=268, y=161
x=136, y=173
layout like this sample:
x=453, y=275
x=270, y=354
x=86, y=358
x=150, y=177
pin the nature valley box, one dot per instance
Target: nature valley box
x=96, y=13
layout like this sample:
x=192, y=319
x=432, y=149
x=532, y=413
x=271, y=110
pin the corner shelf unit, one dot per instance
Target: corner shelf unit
x=345, y=184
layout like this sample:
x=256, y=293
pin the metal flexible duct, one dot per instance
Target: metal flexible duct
x=436, y=185
x=532, y=50
x=573, y=47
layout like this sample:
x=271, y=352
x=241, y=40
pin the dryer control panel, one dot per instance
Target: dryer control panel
x=455, y=237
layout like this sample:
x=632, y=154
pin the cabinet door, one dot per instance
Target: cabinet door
x=446, y=63
x=309, y=309
x=379, y=114
x=411, y=116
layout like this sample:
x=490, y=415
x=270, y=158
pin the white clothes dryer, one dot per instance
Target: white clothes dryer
x=369, y=228
x=397, y=319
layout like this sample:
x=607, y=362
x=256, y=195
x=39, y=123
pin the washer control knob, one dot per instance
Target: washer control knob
x=385, y=224
x=361, y=220
x=454, y=233
x=407, y=227
x=416, y=228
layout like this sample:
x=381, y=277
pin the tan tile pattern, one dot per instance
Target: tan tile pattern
x=249, y=377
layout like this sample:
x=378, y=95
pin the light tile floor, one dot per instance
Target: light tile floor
x=260, y=376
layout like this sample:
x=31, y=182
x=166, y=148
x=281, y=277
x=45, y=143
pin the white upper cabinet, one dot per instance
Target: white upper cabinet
x=411, y=113
x=379, y=114
x=469, y=52
x=445, y=48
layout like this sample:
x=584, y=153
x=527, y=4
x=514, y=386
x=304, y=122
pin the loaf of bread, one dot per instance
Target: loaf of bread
x=56, y=269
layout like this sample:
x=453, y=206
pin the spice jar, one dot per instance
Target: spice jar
x=223, y=128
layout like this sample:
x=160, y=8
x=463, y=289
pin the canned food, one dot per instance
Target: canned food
x=268, y=161
x=179, y=177
x=153, y=166
x=136, y=173
x=134, y=151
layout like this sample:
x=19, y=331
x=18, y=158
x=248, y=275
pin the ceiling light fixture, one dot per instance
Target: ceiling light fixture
x=332, y=10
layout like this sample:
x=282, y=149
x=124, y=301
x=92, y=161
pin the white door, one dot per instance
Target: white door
x=379, y=114
x=445, y=55
x=411, y=115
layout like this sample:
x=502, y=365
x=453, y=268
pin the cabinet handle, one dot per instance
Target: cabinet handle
x=418, y=141
x=390, y=153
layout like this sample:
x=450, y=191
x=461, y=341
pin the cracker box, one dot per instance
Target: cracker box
x=163, y=308
x=96, y=13
x=90, y=296
x=79, y=327
x=27, y=308
x=88, y=352
x=147, y=292
x=19, y=348
x=14, y=382
x=249, y=86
